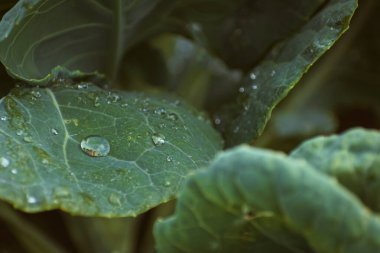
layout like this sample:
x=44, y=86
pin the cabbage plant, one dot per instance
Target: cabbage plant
x=156, y=126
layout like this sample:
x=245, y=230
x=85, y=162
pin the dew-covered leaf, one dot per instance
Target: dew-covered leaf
x=352, y=158
x=37, y=35
x=269, y=82
x=94, y=152
x=340, y=91
x=252, y=200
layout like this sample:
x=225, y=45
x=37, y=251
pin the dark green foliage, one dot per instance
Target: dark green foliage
x=105, y=111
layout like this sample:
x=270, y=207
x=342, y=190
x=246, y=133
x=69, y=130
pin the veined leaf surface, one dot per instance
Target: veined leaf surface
x=268, y=83
x=90, y=151
x=251, y=198
x=352, y=158
x=87, y=35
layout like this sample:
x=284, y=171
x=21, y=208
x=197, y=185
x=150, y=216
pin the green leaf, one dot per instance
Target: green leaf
x=93, y=39
x=144, y=147
x=328, y=99
x=242, y=32
x=267, y=84
x=352, y=158
x=250, y=197
x=194, y=73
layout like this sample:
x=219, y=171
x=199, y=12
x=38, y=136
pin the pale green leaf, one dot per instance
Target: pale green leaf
x=251, y=198
x=45, y=164
x=353, y=158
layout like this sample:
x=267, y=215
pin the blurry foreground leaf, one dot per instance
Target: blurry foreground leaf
x=252, y=200
x=353, y=158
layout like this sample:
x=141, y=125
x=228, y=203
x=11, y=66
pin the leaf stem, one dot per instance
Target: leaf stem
x=30, y=236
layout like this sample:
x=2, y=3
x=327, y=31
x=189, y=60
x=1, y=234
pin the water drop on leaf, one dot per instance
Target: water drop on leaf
x=61, y=192
x=54, y=131
x=82, y=86
x=95, y=146
x=158, y=139
x=160, y=111
x=4, y=162
x=114, y=199
x=31, y=200
x=172, y=116
x=217, y=121
x=28, y=139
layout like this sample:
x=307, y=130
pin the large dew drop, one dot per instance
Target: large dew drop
x=95, y=146
x=4, y=162
x=158, y=139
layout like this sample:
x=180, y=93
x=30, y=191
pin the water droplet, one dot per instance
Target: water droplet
x=45, y=161
x=172, y=116
x=217, y=121
x=19, y=132
x=160, y=111
x=61, y=192
x=95, y=146
x=82, y=86
x=3, y=118
x=167, y=183
x=14, y=171
x=54, y=131
x=28, y=139
x=114, y=199
x=96, y=102
x=158, y=139
x=254, y=87
x=273, y=73
x=115, y=98
x=253, y=76
x=31, y=200
x=36, y=94
x=4, y=162
x=241, y=90
x=169, y=158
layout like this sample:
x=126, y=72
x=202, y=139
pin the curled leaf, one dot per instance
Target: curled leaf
x=250, y=198
x=352, y=158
